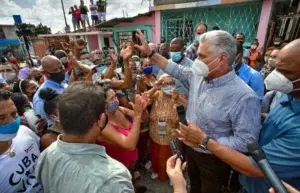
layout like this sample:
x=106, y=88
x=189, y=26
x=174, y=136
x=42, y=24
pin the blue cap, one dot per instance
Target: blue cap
x=3, y=59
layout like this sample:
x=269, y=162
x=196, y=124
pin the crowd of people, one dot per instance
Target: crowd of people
x=80, y=14
x=89, y=122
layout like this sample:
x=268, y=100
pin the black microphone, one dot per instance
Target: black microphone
x=182, y=114
x=258, y=155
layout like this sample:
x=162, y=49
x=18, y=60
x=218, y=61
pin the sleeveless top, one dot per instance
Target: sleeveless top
x=127, y=157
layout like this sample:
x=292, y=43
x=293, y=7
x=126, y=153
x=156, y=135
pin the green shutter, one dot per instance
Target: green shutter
x=242, y=17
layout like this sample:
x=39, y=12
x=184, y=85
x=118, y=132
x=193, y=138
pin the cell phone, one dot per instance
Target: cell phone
x=182, y=114
x=174, y=145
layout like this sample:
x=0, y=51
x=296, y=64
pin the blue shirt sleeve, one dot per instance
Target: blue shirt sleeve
x=38, y=107
x=245, y=116
x=183, y=74
x=257, y=84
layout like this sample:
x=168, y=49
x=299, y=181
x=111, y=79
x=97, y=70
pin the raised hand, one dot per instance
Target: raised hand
x=144, y=47
x=127, y=52
x=79, y=44
x=164, y=81
x=174, y=170
x=140, y=105
x=113, y=58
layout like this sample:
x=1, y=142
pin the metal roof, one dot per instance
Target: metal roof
x=116, y=21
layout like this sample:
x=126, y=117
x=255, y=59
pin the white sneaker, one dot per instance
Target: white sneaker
x=154, y=176
x=136, y=175
x=148, y=165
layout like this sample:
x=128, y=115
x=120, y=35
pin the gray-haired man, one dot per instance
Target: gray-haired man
x=220, y=103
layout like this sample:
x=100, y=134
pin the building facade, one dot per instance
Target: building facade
x=8, y=37
x=180, y=19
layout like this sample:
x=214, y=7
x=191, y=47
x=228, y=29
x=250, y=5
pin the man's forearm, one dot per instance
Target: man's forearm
x=159, y=60
x=235, y=159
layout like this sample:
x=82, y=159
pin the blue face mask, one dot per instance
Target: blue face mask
x=176, y=56
x=147, y=70
x=10, y=130
x=197, y=38
x=101, y=68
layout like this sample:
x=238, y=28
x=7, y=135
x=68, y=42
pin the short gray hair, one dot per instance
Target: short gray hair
x=221, y=42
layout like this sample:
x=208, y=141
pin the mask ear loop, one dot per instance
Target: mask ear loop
x=20, y=83
x=293, y=85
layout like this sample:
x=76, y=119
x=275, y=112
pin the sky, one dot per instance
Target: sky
x=50, y=13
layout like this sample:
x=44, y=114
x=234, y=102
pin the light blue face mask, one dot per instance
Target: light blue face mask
x=10, y=130
x=176, y=56
x=198, y=37
x=234, y=64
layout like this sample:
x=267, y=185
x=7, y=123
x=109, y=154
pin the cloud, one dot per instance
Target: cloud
x=49, y=12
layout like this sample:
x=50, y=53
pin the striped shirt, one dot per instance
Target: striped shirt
x=224, y=108
x=191, y=51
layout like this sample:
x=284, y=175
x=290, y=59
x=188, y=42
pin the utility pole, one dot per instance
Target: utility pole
x=67, y=26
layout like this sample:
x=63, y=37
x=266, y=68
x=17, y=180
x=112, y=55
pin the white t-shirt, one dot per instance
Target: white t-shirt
x=17, y=173
x=93, y=9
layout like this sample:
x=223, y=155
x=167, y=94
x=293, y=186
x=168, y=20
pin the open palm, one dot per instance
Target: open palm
x=144, y=47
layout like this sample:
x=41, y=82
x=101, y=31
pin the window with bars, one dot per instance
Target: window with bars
x=233, y=18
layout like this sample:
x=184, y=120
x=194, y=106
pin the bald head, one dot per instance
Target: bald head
x=153, y=46
x=288, y=61
x=177, y=45
x=49, y=62
x=163, y=46
x=52, y=65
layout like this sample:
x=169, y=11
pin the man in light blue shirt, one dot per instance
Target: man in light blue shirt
x=54, y=72
x=250, y=76
x=219, y=102
x=280, y=133
x=178, y=57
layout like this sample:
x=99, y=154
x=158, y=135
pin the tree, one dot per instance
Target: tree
x=41, y=29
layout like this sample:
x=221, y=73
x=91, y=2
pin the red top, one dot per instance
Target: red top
x=77, y=14
x=13, y=60
x=126, y=157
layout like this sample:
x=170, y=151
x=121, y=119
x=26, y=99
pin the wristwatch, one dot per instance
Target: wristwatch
x=203, y=144
x=151, y=54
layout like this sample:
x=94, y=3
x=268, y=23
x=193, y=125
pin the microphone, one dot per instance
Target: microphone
x=258, y=155
x=174, y=144
x=182, y=114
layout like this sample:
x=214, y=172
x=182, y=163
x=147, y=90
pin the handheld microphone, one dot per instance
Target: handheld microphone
x=174, y=144
x=182, y=114
x=258, y=155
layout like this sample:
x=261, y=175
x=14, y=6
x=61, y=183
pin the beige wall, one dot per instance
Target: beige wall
x=10, y=32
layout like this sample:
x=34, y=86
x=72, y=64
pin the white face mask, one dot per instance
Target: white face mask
x=253, y=47
x=271, y=62
x=10, y=77
x=168, y=89
x=278, y=82
x=200, y=69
